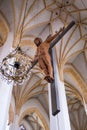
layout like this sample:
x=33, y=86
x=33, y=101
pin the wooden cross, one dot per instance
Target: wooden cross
x=54, y=91
x=54, y=95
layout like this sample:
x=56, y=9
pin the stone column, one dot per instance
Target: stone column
x=5, y=89
x=63, y=116
x=5, y=97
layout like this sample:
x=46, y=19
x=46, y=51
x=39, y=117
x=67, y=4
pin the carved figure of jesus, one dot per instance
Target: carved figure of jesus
x=43, y=56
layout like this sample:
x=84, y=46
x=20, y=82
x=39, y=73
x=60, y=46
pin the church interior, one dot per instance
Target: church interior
x=29, y=102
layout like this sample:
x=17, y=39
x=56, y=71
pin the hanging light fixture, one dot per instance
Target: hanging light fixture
x=15, y=66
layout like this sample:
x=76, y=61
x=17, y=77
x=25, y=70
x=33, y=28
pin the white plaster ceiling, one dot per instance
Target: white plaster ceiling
x=42, y=18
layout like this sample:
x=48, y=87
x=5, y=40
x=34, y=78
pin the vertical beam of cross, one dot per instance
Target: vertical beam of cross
x=54, y=91
x=53, y=85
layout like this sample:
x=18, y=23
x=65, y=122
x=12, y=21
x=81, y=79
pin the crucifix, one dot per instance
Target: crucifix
x=38, y=41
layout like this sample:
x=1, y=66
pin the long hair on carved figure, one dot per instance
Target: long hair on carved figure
x=38, y=41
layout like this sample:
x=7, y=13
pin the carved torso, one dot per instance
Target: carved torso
x=42, y=50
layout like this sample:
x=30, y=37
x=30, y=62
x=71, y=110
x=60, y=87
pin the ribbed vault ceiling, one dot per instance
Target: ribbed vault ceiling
x=42, y=18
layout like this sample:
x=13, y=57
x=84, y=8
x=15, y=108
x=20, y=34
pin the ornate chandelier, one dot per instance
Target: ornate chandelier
x=15, y=67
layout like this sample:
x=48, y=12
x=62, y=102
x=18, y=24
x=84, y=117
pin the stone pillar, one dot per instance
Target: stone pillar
x=5, y=89
x=5, y=97
x=61, y=120
x=63, y=116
